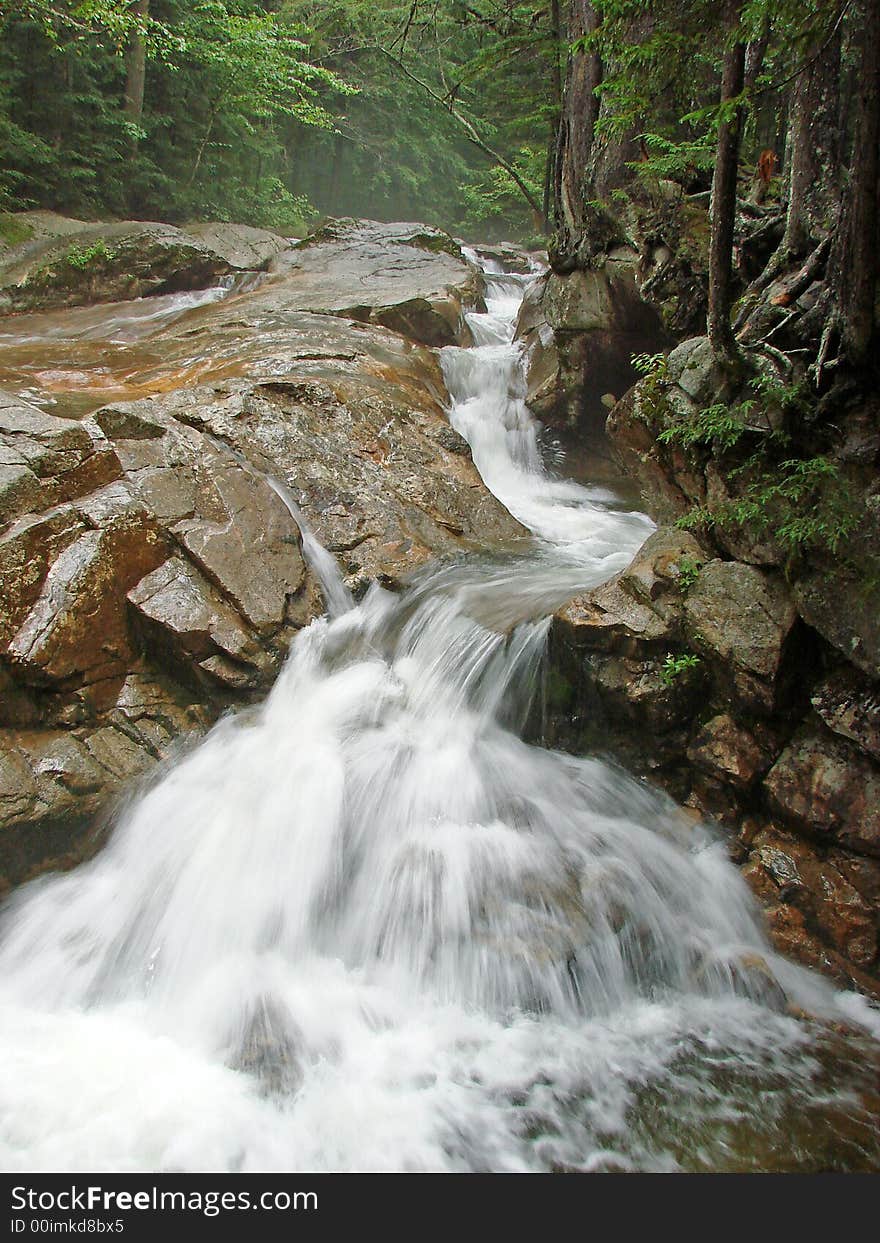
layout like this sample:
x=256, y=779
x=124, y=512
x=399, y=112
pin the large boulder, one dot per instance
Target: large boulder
x=406, y=277
x=740, y=618
x=105, y=263
x=580, y=331
x=244, y=247
x=611, y=659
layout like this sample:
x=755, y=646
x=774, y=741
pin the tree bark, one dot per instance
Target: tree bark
x=858, y=265
x=556, y=78
x=723, y=208
x=136, y=71
x=577, y=126
x=814, y=154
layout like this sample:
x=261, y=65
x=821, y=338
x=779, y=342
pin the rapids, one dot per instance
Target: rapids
x=366, y=927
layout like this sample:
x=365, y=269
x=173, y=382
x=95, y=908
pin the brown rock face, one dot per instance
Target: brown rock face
x=153, y=577
x=183, y=616
x=723, y=735
x=820, y=908
x=728, y=751
x=828, y=790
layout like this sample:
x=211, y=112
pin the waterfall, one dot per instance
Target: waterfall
x=367, y=927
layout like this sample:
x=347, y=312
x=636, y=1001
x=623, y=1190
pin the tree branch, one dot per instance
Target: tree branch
x=471, y=131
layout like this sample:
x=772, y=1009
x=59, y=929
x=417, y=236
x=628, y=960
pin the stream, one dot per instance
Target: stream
x=366, y=927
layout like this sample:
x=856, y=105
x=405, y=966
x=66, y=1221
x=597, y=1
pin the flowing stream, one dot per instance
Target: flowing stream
x=367, y=927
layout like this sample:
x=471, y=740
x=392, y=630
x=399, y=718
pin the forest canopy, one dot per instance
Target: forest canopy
x=490, y=117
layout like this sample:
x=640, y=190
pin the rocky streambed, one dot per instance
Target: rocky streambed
x=152, y=576
x=364, y=925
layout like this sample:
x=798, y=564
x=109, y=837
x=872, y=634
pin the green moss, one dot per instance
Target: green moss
x=435, y=243
x=559, y=691
x=14, y=231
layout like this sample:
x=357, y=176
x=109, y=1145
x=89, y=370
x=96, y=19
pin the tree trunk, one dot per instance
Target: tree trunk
x=580, y=111
x=814, y=151
x=723, y=209
x=136, y=70
x=858, y=265
x=556, y=78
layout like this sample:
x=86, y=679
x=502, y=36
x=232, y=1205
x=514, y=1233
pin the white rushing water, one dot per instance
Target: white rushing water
x=366, y=927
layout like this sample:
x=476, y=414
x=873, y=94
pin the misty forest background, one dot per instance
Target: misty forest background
x=273, y=113
x=558, y=122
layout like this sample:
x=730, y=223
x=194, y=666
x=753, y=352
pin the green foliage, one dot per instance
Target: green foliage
x=220, y=80
x=398, y=152
x=494, y=195
x=801, y=503
x=721, y=426
x=661, y=68
x=718, y=426
x=688, y=573
x=650, y=366
x=82, y=257
x=674, y=666
x=673, y=160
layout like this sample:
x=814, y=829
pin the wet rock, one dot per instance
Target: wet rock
x=580, y=331
x=739, y=617
x=728, y=751
x=105, y=263
x=118, y=754
x=785, y=870
x=242, y=246
x=252, y=554
x=664, y=568
x=850, y=707
x=76, y=628
x=608, y=619
x=48, y=460
x=369, y=463
x=28, y=549
x=405, y=277
x=828, y=790
x=639, y=611
x=186, y=622
x=18, y=788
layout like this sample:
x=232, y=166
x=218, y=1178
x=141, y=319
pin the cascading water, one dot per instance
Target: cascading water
x=366, y=927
